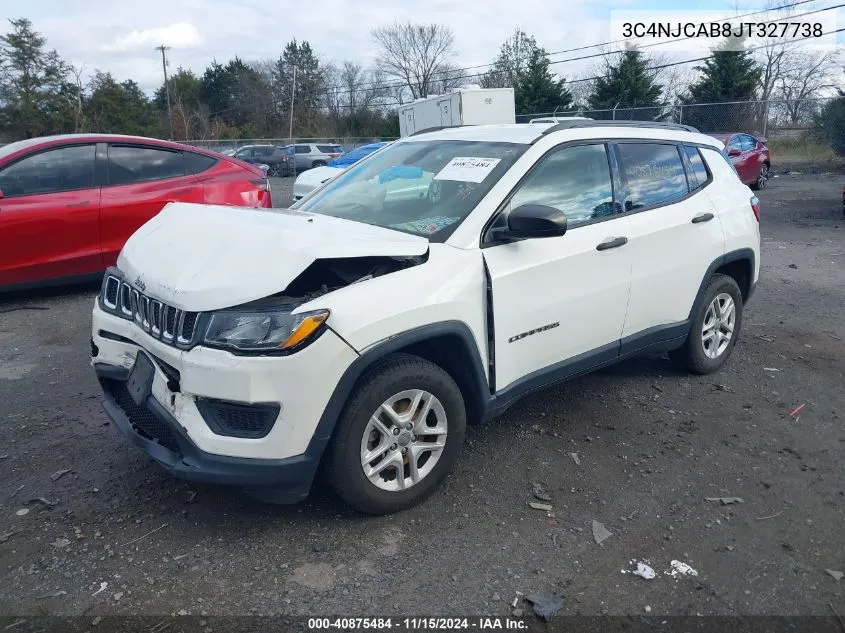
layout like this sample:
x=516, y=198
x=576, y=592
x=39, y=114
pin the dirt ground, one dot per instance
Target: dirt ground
x=108, y=533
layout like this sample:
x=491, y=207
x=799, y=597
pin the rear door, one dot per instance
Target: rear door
x=140, y=181
x=675, y=235
x=303, y=156
x=49, y=216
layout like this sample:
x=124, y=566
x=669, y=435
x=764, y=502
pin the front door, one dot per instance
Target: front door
x=49, y=216
x=559, y=303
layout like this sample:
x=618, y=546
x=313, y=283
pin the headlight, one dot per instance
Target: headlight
x=263, y=332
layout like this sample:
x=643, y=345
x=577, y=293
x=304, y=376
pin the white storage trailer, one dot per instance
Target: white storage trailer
x=465, y=106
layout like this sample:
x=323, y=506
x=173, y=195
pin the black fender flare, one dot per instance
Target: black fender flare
x=742, y=254
x=343, y=389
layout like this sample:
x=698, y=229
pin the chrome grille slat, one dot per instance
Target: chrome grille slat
x=161, y=321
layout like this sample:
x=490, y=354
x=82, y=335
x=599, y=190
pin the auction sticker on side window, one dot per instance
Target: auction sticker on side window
x=467, y=169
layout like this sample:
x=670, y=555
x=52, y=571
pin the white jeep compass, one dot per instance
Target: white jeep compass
x=357, y=333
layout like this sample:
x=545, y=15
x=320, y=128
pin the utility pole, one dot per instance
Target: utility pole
x=292, y=93
x=163, y=49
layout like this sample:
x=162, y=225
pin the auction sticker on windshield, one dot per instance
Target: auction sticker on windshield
x=467, y=169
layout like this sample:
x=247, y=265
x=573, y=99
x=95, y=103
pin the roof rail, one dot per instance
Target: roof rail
x=568, y=125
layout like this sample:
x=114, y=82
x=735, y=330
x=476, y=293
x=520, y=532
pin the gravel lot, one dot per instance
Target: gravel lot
x=651, y=445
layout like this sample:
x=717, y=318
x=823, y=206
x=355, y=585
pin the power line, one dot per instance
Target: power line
x=603, y=54
x=335, y=93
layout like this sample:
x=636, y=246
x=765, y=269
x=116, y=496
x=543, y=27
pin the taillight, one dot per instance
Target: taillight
x=262, y=183
x=755, y=206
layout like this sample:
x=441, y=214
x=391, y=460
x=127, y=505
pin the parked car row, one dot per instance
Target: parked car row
x=289, y=159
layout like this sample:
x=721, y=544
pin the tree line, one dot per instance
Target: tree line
x=299, y=93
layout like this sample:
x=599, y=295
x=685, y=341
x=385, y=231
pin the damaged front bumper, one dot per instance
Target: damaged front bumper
x=207, y=415
x=151, y=428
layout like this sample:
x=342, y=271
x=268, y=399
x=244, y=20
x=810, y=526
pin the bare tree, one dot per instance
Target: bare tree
x=805, y=77
x=77, y=71
x=415, y=54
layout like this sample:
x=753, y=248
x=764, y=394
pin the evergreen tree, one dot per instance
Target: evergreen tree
x=119, y=108
x=538, y=91
x=626, y=84
x=524, y=66
x=727, y=76
x=31, y=83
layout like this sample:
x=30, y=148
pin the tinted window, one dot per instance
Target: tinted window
x=575, y=180
x=265, y=150
x=329, y=149
x=699, y=171
x=195, y=163
x=244, y=153
x=747, y=143
x=128, y=164
x=303, y=149
x=62, y=169
x=654, y=174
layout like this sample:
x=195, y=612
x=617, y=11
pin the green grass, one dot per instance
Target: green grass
x=801, y=151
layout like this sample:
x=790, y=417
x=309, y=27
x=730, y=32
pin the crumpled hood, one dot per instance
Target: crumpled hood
x=206, y=257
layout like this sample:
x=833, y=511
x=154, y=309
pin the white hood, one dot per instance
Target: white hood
x=206, y=257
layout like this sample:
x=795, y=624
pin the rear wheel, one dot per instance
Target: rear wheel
x=319, y=163
x=714, y=328
x=762, y=178
x=398, y=437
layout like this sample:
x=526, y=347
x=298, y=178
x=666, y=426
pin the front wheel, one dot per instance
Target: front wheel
x=714, y=329
x=399, y=436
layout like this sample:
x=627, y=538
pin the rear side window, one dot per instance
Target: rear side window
x=61, y=169
x=129, y=164
x=264, y=151
x=747, y=143
x=196, y=163
x=699, y=175
x=329, y=149
x=302, y=149
x=653, y=172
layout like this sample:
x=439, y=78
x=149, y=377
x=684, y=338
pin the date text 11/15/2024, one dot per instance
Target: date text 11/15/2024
x=481, y=623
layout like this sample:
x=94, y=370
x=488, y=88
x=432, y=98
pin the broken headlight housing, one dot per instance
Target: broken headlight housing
x=264, y=332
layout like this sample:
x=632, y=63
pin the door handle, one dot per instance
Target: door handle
x=613, y=242
x=702, y=217
x=78, y=204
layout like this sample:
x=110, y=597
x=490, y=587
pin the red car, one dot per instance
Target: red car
x=69, y=203
x=750, y=156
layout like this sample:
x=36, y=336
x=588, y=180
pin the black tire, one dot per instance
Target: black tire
x=387, y=377
x=691, y=356
x=318, y=163
x=762, y=179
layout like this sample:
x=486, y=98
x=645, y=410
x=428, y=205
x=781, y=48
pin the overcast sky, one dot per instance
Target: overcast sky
x=120, y=35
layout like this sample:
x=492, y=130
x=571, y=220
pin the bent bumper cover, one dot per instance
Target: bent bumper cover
x=280, y=480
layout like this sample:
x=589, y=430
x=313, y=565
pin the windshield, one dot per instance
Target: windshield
x=422, y=187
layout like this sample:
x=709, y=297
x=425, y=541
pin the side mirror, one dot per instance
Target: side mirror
x=530, y=221
x=734, y=151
